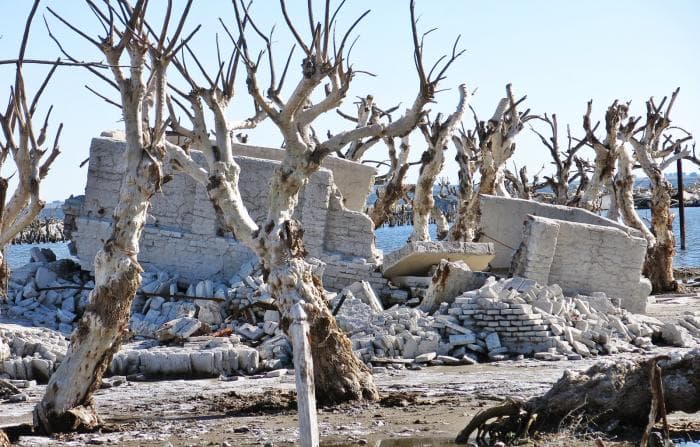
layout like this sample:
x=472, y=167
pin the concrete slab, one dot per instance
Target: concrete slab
x=416, y=258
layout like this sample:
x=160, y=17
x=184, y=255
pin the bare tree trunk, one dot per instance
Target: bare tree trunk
x=394, y=189
x=339, y=375
x=466, y=220
x=436, y=134
x=655, y=151
x=67, y=403
x=658, y=265
x=443, y=227
x=624, y=189
x=432, y=161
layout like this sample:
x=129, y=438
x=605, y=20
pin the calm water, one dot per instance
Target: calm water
x=18, y=255
x=392, y=238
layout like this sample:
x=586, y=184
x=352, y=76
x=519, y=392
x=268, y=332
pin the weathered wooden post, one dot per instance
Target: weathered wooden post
x=304, y=374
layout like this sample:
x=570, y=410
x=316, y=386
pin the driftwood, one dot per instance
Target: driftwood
x=627, y=397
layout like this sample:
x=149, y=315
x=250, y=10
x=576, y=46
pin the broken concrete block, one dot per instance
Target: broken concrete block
x=44, y=277
x=534, y=256
x=416, y=258
x=450, y=280
x=462, y=339
x=492, y=341
x=363, y=291
x=250, y=332
x=180, y=328
x=675, y=335
x=425, y=358
x=209, y=312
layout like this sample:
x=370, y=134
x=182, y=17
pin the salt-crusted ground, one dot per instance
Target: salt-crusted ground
x=433, y=403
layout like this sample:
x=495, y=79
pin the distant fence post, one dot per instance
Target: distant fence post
x=681, y=201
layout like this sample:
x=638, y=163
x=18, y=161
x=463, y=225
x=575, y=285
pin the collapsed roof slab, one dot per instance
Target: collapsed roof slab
x=416, y=258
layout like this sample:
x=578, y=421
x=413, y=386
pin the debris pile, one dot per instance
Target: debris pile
x=172, y=323
x=30, y=353
x=223, y=328
x=508, y=317
x=530, y=318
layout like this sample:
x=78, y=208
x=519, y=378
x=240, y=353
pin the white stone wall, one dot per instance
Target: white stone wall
x=182, y=234
x=502, y=222
x=584, y=258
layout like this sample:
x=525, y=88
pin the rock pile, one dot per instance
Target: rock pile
x=532, y=318
x=48, y=292
x=166, y=310
x=30, y=353
x=509, y=317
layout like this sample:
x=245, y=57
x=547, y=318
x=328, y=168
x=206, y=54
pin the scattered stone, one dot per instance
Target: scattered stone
x=425, y=358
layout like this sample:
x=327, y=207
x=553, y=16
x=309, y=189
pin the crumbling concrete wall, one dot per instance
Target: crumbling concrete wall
x=502, y=221
x=182, y=234
x=584, y=258
x=353, y=180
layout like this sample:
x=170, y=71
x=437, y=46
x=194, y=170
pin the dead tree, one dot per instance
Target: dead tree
x=468, y=159
x=623, y=397
x=26, y=146
x=614, y=150
x=521, y=186
x=67, y=403
x=339, y=375
x=655, y=151
x=494, y=143
x=562, y=179
x=606, y=154
x=437, y=134
x=393, y=188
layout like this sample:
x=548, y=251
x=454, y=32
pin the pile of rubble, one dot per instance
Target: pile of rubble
x=30, y=353
x=530, y=318
x=224, y=328
x=506, y=318
x=166, y=311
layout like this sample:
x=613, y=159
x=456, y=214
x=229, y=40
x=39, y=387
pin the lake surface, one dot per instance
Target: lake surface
x=393, y=238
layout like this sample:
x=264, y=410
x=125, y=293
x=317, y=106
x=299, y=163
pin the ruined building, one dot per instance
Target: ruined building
x=182, y=234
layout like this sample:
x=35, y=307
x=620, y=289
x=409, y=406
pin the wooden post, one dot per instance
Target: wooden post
x=304, y=374
x=681, y=203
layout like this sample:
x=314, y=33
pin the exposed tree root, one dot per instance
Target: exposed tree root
x=623, y=397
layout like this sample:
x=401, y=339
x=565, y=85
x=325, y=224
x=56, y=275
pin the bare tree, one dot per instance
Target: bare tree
x=468, y=159
x=437, y=134
x=67, y=403
x=562, y=179
x=339, y=375
x=606, y=153
x=393, y=188
x=493, y=142
x=614, y=164
x=521, y=186
x=655, y=151
x=26, y=146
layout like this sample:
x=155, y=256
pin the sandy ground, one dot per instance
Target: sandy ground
x=418, y=408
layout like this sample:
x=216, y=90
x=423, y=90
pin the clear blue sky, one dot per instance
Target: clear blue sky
x=559, y=53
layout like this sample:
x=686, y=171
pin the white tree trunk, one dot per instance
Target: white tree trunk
x=443, y=227
x=67, y=403
x=437, y=136
x=423, y=201
x=624, y=192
